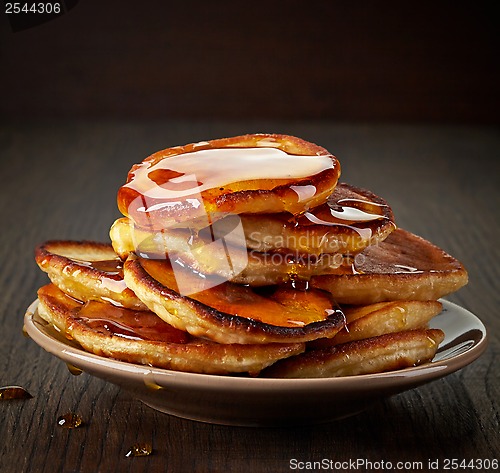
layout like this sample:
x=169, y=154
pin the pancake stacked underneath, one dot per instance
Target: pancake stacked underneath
x=246, y=256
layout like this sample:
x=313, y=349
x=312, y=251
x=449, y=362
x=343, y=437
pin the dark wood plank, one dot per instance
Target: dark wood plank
x=59, y=180
x=394, y=61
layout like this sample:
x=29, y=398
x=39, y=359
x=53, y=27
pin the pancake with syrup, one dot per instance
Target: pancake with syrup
x=348, y=222
x=196, y=184
x=314, y=243
x=381, y=318
x=87, y=270
x=231, y=263
x=231, y=313
x=403, y=266
x=142, y=337
x=389, y=352
x=191, y=284
x=226, y=313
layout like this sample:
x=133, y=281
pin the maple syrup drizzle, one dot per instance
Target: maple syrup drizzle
x=345, y=213
x=401, y=268
x=112, y=267
x=353, y=214
x=291, y=308
x=118, y=321
x=127, y=323
x=217, y=167
x=305, y=192
x=111, y=273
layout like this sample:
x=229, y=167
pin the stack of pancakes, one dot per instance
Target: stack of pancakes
x=246, y=256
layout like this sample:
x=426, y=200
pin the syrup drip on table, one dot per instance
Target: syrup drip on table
x=140, y=450
x=70, y=421
x=8, y=393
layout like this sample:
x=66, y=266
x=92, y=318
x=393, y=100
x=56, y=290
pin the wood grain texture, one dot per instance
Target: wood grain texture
x=59, y=180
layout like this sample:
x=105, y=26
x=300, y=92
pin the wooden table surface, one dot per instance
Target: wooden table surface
x=59, y=181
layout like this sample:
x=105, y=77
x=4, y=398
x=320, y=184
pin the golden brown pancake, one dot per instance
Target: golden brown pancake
x=90, y=279
x=292, y=246
x=236, y=255
x=226, y=262
x=228, y=312
x=348, y=222
x=402, y=267
x=197, y=184
x=388, y=352
x=351, y=220
x=142, y=337
x=86, y=270
x=381, y=318
x=256, y=268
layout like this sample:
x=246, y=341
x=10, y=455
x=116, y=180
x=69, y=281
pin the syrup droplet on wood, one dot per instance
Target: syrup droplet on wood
x=14, y=392
x=140, y=450
x=75, y=371
x=70, y=421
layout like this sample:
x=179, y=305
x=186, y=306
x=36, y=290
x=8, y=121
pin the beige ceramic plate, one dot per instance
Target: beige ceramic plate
x=260, y=402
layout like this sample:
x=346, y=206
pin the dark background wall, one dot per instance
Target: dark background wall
x=392, y=61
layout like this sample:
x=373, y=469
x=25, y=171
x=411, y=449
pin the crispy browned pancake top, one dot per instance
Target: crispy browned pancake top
x=142, y=337
x=231, y=313
x=403, y=266
x=86, y=270
x=386, y=352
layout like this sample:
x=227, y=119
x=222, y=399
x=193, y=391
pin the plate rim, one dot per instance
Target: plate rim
x=438, y=368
